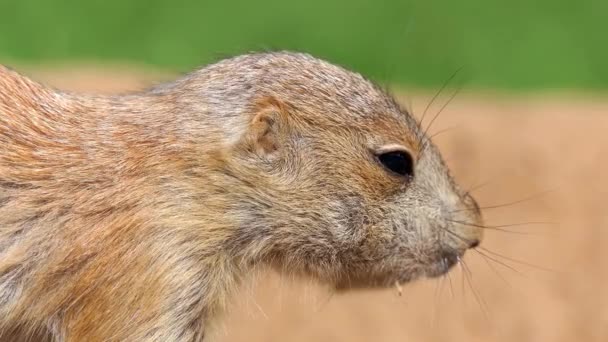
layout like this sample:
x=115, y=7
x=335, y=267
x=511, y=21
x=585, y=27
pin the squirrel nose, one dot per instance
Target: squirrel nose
x=474, y=244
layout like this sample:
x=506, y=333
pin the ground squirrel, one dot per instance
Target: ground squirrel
x=133, y=217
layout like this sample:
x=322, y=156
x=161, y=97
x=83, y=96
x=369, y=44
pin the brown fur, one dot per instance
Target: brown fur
x=133, y=217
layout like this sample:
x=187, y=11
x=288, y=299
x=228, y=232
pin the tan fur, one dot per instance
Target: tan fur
x=133, y=217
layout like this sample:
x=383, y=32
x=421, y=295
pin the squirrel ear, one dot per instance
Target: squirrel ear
x=267, y=128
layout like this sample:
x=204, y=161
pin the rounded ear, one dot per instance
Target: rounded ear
x=267, y=129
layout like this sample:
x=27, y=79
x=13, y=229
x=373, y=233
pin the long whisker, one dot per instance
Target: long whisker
x=495, y=206
x=503, y=226
x=445, y=84
x=499, y=262
x=442, y=131
x=484, y=255
x=464, y=292
x=546, y=269
x=481, y=248
x=473, y=187
x=477, y=187
x=485, y=259
x=450, y=282
x=455, y=234
x=436, y=297
x=477, y=296
x=442, y=108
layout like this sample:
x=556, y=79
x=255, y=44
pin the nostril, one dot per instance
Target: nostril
x=474, y=244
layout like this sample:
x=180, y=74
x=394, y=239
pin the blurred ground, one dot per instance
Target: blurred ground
x=508, y=148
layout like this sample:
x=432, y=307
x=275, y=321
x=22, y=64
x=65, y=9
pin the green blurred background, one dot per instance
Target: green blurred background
x=514, y=44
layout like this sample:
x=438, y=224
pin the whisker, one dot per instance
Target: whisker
x=443, y=277
x=466, y=273
x=463, y=289
x=484, y=256
x=485, y=249
x=455, y=234
x=445, y=84
x=450, y=282
x=546, y=269
x=500, y=262
x=436, y=293
x=477, y=187
x=503, y=226
x=495, y=206
x=485, y=259
x=436, y=303
x=443, y=131
x=442, y=108
x=487, y=256
x=477, y=296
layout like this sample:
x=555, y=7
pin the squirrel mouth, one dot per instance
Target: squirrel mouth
x=446, y=262
x=436, y=267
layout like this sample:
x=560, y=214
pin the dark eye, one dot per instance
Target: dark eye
x=399, y=162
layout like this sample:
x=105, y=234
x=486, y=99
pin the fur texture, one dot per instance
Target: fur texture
x=133, y=217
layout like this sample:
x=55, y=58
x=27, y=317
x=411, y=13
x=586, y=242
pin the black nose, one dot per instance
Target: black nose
x=474, y=244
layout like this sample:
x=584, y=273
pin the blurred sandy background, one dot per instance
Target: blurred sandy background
x=548, y=150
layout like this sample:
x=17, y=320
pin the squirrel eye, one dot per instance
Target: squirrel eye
x=399, y=162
